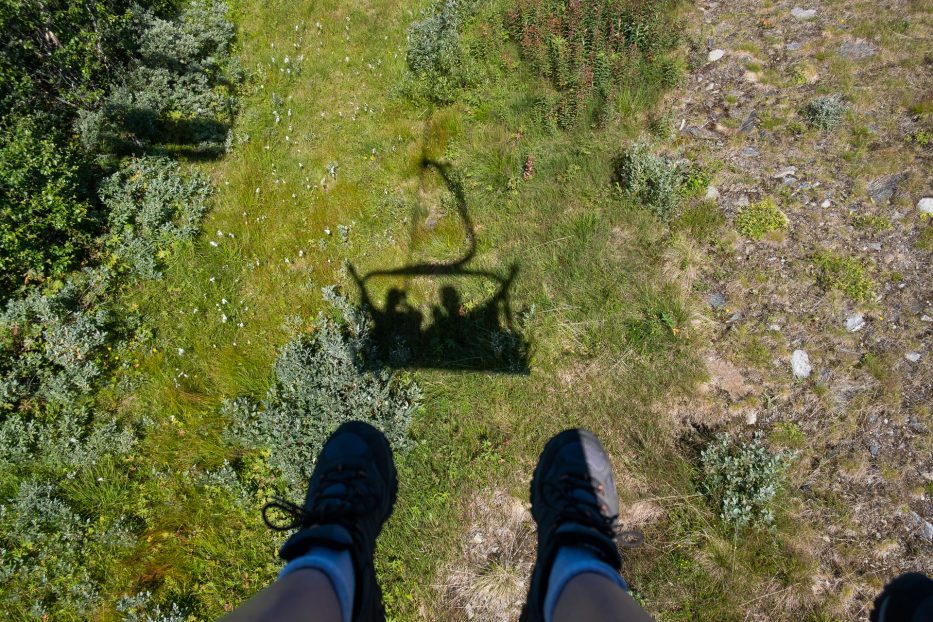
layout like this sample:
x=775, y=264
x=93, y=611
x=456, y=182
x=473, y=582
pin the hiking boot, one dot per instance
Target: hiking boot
x=574, y=503
x=350, y=496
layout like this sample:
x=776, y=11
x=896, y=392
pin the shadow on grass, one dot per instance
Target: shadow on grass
x=484, y=337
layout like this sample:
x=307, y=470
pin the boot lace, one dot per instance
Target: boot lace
x=343, y=492
x=587, y=509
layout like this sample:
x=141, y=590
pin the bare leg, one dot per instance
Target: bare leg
x=303, y=595
x=595, y=598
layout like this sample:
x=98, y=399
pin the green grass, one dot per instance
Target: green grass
x=590, y=290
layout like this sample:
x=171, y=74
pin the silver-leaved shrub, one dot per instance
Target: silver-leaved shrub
x=741, y=480
x=152, y=204
x=322, y=380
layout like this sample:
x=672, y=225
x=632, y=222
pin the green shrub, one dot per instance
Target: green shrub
x=42, y=218
x=742, y=480
x=178, y=90
x=758, y=219
x=51, y=342
x=825, y=112
x=56, y=545
x=321, y=381
x=845, y=274
x=649, y=179
x=437, y=55
x=588, y=50
x=152, y=205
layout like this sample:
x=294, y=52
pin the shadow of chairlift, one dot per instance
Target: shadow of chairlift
x=482, y=338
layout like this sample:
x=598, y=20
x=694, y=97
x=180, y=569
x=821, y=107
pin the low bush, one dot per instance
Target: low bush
x=56, y=533
x=845, y=274
x=649, y=179
x=152, y=205
x=51, y=342
x=43, y=218
x=435, y=53
x=758, y=219
x=178, y=90
x=741, y=480
x=825, y=113
x=321, y=381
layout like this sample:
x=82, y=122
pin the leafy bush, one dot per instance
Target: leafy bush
x=844, y=274
x=586, y=50
x=50, y=342
x=152, y=205
x=742, y=480
x=758, y=219
x=177, y=91
x=41, y=215
x=54, y=556
x=649, y=179
x=825, y=112
x=435, y=55
x=321, y=381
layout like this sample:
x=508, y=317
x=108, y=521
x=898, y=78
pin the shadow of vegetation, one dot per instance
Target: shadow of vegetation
x=453, y=334
x=139, y=130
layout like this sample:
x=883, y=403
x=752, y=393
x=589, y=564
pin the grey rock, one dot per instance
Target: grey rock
x=803, y=15
x=742, y=201
x=712, y=194
x=874, y=448
x=800, y=364
x=750, y=152
x=881, y=189
x=750, y=122
x=916, y=425
x=716, y=300
x=926, y=318
x=715, y=55
x=926, y=528
x=735, y=317
x=925, y=205
x=860, y=49
x=875, y=246
x=790, y=171
x=793, y=46
x=855, y=323
x=913, y=357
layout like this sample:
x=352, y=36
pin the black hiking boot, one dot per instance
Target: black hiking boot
x=350, y=496
x=574, y=503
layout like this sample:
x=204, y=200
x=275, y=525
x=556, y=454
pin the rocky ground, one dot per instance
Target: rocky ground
x=840, y=373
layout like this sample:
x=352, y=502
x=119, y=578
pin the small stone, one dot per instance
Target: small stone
x=875, y=246
x=926, y=318
x=793, y=46
x=735, y=317
x=881, y=189
x=715, y=55
x=857, y=50
x=712, y=194
x=855, y=323
x=803, y=14
x=913, y=357
x=742, y=201
x=749, y=123
x=774, y=328
x=751, y=417
x=925, y=205
x=716, y=300
x=874, y=448
x=790, y=171
x=826, y=203
x=800, y=364
x=750, y=152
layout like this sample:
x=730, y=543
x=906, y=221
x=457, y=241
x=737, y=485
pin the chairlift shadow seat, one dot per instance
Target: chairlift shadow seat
x=483, y=337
